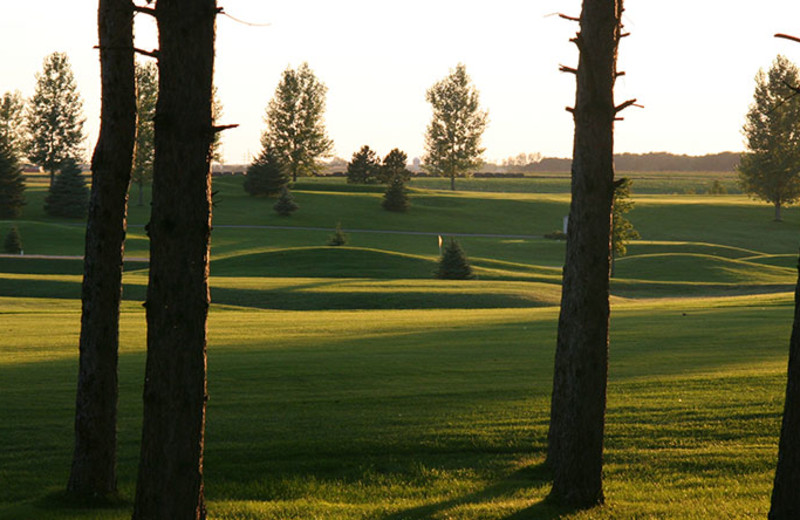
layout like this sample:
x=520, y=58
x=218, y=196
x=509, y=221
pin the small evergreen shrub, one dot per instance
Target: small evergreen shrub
x=12, y=185
x=286, y=204
x=339, y=237
x=69, y=195
x=453, y=265
x=396, y=196
x=13, y=242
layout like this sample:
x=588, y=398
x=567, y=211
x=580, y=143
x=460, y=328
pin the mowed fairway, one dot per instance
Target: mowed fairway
x=346, y=383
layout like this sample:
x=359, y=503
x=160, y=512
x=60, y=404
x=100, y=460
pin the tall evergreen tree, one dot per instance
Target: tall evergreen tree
x=12, y=122
x=295, y=121
x=93, y=471
x=55, y=116
x=268, y=175
x=770, y=169
x=577, y=412
x=69, y=195
x=170, y=480
x=146, y=98
x=364, y=167
x=453, y=140
x=12, y=184
x=394, y=165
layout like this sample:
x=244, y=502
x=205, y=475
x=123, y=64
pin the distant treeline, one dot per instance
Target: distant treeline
x=649, y=162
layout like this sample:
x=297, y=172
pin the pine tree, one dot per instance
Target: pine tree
x=69, y=195
x=267, y=175
x=394, y=165
x=54, y=118
x=396, y=196
x=13, y=242
x=364, y=167
x=339, y=237
x=453, y=265
x=286, y=204
x=12, y=185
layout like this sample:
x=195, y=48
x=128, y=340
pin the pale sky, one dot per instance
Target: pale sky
x=692, y=64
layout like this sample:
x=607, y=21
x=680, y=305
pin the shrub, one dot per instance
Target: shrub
x=12, y=186
x=717, y=188
x=286, y=204
x=453, y=265
x=268, y=175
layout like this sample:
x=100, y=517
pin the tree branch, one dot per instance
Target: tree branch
x=629, y=103
x=144, y=10
x=788, y=37
x=152, y=54
x=222, y=128
x=564, y=68
x=570, y=18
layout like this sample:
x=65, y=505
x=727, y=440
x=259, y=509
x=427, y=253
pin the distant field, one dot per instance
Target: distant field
x=346, y=383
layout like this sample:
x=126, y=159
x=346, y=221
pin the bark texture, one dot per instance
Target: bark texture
x=170, y=482
x=93, y=472
x=786, y=489
x=577, y=420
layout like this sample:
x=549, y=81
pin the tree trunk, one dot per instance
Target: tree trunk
x=452, y=182
x=140, y=200
x=778, y=212
x=93, y=472
x=170, y=482
x=577, y=421
x=785, y=496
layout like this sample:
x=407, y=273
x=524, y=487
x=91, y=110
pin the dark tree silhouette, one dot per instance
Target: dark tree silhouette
x=13, y=242
x=577, y=415
x=396, y=197
x=285, y=205
x=12, y=184
x=785, y=503
x=170, y=481
x=453, y=265
x=268, y=175
x=93, y=472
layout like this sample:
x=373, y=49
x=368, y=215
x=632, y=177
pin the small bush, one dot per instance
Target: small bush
x=69, y=195
x=338, y=238
x=717, y=188
x=453, y=265
x=13, y=242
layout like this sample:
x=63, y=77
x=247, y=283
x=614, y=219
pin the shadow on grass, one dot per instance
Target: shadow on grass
x=529, y=477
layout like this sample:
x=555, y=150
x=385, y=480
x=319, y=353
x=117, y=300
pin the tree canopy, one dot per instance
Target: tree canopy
x=55, y=116
x=364, y=167
x=453, y=139
x=146, y=98
x=12, y=129
x=770, y=169
x=295, y=121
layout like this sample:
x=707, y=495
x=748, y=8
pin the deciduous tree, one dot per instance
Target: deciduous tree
x=770, y=169
x=55, y=116
x=622, y=230
x=453, y=139
x=170, y=481
x=146, y=98
x=12, y=121
x=295, y=121
x=577, y=415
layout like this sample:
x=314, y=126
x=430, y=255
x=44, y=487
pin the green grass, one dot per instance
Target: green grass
x=346, y=383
